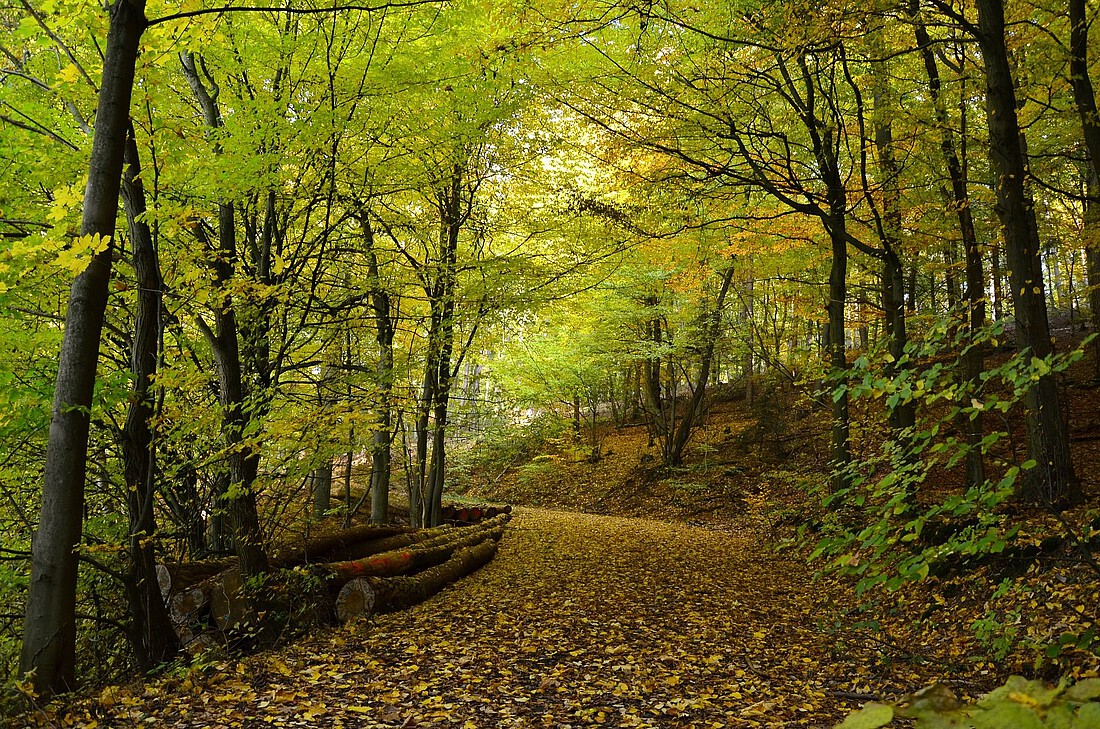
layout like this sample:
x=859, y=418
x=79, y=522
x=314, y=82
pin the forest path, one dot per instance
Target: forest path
x=580, y=620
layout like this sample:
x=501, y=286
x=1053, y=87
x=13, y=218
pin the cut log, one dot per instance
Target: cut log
x=360, y=550
x=228, y=605
x=177, y=577
x=401, y=561
x=188, y=606
x=475, y=514
x=356, y=598
x=464, y=532
x=398, y=593
x=223, y=599
x=314, y=548
x=180, y=576
x=369, y=595
x=164, y=581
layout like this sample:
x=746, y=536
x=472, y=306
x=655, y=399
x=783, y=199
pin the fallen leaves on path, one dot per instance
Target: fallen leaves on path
x=580, y=620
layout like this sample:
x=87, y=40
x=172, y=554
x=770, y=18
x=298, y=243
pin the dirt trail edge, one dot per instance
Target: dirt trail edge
x=580, y=620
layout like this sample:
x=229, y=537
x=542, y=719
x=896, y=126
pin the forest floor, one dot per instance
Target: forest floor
x=628, y=595
x=580, y=620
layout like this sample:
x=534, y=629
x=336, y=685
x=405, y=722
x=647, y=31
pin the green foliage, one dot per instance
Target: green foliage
x=504, y=446
x=998, y=633
x=538, y=471
x=1019, y=703
x=884, y=528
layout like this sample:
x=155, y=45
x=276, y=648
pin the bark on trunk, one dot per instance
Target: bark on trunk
x=442, y=298
x=1083, y=95
x=49, y=629
x=1085, y=100
x=322, y=489
x=838, y=291
x=382, y=440
x=1092, y=260
x=973, y=360
x=151, y=635
x=1052, y=481
x=893, y=284
x=244, y=457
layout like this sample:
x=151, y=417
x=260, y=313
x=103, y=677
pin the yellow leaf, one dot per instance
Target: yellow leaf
x=69, y=74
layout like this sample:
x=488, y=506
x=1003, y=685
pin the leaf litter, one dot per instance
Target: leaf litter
x=580, y=620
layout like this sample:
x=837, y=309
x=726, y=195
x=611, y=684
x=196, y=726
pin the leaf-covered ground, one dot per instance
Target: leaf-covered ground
x=580, y=620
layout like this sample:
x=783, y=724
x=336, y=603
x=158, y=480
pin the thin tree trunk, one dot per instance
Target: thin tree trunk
x=443, y=302
x=695, y=406
x=382, y=440
x=1091, y=235
x=322, y=489
x=838, y=289
x=153, y=639
x=973, y=360
x=903, y=415
x=49, y=629
x=747, y=365
x=243, y=457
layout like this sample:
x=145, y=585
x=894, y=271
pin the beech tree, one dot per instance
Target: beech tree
x=50, y=625
x=1053, y=480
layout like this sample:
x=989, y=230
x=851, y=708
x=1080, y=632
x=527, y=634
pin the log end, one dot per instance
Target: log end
x=356, y=599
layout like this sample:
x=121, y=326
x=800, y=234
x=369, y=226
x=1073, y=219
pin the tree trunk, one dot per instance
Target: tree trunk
x=322, y=489
x=244, y=457
x=1085, y=100
x=443, y=300
x=973, y=360
x=1092, y=260
x=1052, y=481
x=49, y=630
x=695, y=406
x=903, y=415
x=838, y=289
x=1083, y=95
x=748, y=366
x=653, y=401
x=152, y=637
x=383, y=434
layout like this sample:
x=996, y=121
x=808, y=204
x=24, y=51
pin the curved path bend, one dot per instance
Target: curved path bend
x=580, y=620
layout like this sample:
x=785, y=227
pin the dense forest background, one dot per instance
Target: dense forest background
x=246, y=250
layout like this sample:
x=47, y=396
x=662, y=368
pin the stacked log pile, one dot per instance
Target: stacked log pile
x=355, y=573
x=459, y=514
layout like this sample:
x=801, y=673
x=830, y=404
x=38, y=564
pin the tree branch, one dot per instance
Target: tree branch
x=293, y=10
